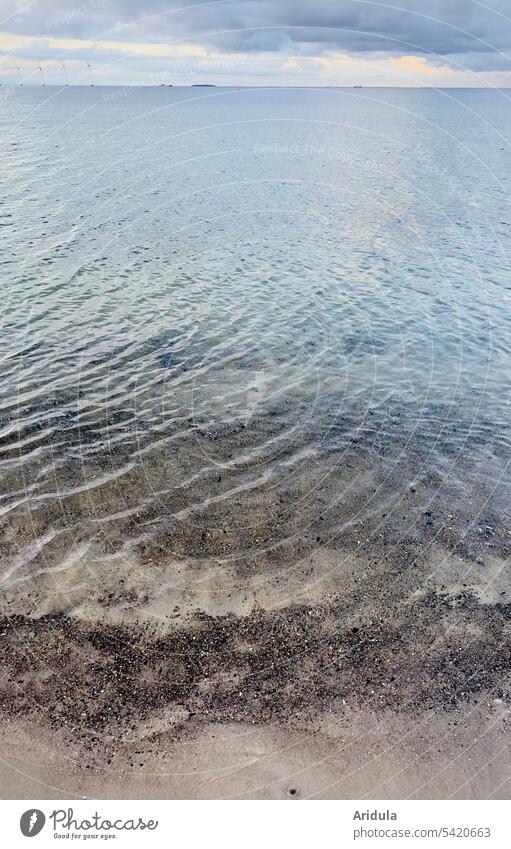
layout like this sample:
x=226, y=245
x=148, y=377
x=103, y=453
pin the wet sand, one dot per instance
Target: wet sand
x=355, y=754
x=334, y=623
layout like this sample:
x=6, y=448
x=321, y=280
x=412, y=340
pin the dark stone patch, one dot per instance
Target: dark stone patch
x=300, y=662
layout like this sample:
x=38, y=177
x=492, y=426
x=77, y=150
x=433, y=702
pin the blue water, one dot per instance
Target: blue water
x=178, y=259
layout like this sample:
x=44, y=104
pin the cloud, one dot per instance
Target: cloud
x=413, y=65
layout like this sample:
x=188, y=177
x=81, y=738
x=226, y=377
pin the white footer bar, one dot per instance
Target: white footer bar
x=259, y=824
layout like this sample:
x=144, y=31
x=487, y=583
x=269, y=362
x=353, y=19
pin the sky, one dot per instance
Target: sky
x=435, y=43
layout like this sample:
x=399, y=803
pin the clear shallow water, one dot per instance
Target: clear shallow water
x=215, y=301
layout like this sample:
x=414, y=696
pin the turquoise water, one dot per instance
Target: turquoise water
x=178, y=262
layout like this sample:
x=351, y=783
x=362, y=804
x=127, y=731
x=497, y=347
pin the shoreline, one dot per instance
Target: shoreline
x=424, y=668
x=371, y=594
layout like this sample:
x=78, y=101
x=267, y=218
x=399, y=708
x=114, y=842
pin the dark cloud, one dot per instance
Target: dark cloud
x=475, y=34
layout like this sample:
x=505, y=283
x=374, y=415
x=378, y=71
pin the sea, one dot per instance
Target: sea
x=243, y=325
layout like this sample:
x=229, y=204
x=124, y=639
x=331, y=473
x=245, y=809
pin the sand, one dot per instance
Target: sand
x=357, y=754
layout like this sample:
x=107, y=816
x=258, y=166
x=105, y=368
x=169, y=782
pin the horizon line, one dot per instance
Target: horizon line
x=357, y=86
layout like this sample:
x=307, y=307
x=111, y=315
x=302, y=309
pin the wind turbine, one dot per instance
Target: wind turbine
x=19, y=74
x=41, y=70
x=90, y=72
x=65, y=73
